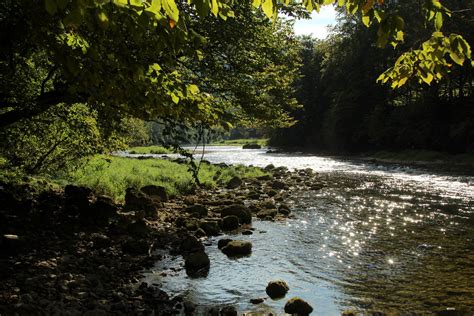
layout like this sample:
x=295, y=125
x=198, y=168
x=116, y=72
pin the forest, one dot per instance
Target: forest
x=345, y=109
x=198, y=157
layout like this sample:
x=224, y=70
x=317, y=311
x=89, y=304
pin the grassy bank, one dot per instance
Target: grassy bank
x=241, y=142
x=112, y=175
x=156, y=150
x=422, y=156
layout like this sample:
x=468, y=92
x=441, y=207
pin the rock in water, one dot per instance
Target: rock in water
x=210, y=227
x=196, y=263
x=228, y=311
x=298, y=306
x=237, y=248
x=242, y=212
x=191, y=244
x=277, y=289
x=223, y=242
x=230, y=222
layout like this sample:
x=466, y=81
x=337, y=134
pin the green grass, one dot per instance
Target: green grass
x=113, y=175
x=157, y=150
x=241, y=142
x=424, y=156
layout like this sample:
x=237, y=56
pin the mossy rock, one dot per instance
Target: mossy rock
x=237, y=248
x=298, y=306
x=277, y=289
x=211, y=228
x=230, y=222
x=241, y=211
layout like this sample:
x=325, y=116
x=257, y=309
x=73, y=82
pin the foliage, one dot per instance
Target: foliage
x=55, y=141
x=346, y=111
x=112, y=175
x=131, y=59
x=135, y=131
x=125, y=56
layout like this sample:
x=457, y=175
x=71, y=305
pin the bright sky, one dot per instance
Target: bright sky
x=316, y=26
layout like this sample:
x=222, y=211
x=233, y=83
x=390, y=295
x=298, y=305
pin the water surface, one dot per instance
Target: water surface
x=377, y=238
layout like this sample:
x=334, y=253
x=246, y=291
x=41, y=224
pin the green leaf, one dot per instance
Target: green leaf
x=174, y=98
x=438, y=21
x=267, y=7
x=171, y=9
x=215, y=8
x=366, y=20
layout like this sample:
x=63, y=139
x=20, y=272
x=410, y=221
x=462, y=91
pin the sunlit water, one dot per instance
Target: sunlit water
x=378, y=238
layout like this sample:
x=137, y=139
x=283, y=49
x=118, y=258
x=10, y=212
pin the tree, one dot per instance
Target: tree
x=123, y=56
x=345, y=110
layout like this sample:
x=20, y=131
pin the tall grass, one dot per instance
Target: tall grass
x=156, y=150
x=113, y=175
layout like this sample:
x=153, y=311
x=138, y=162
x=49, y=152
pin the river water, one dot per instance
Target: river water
x=377, y=238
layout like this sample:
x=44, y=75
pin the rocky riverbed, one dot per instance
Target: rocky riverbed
x=73, y=252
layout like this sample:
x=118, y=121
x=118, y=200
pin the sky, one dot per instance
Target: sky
x=316, y=26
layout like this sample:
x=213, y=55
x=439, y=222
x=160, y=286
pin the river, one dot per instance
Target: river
x=377, y=238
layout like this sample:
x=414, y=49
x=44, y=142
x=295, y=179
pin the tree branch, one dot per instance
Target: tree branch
x=43, y=103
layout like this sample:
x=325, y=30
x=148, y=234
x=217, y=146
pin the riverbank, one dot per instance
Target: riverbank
x=75, y=251
x=431, y=160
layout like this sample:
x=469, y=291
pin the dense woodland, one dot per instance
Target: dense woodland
x=98, y=76
x=346, y=110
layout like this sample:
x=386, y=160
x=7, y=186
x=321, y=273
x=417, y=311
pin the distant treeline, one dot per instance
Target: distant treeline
x=346, y=110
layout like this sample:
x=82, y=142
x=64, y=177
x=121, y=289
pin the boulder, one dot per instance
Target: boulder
x=200, y=233
x=102, y=210
x=138, y=201
x=298, y=306
x=258, y=300
x=277, y=289
x=137, y=228
x=136, y=246
x=10, y=244
x=77, y=199
x=155, y=192
x=267, y=214
x=234, y=183
x=247, y=232
x=223, y=242
x=268, y=204
x=252, y=146
x=269, y=167
x=284, y=210
x=278, y=185
x=266, y=177
x=230, y=222
x=100, y=240
x=197, y=209
x=228, y=311
x=196, y=262
x=191, y=244
x=237, y=248
x=211, y=228
x=242, y=212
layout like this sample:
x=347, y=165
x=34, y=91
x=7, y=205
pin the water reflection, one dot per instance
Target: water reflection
x=371, y=240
